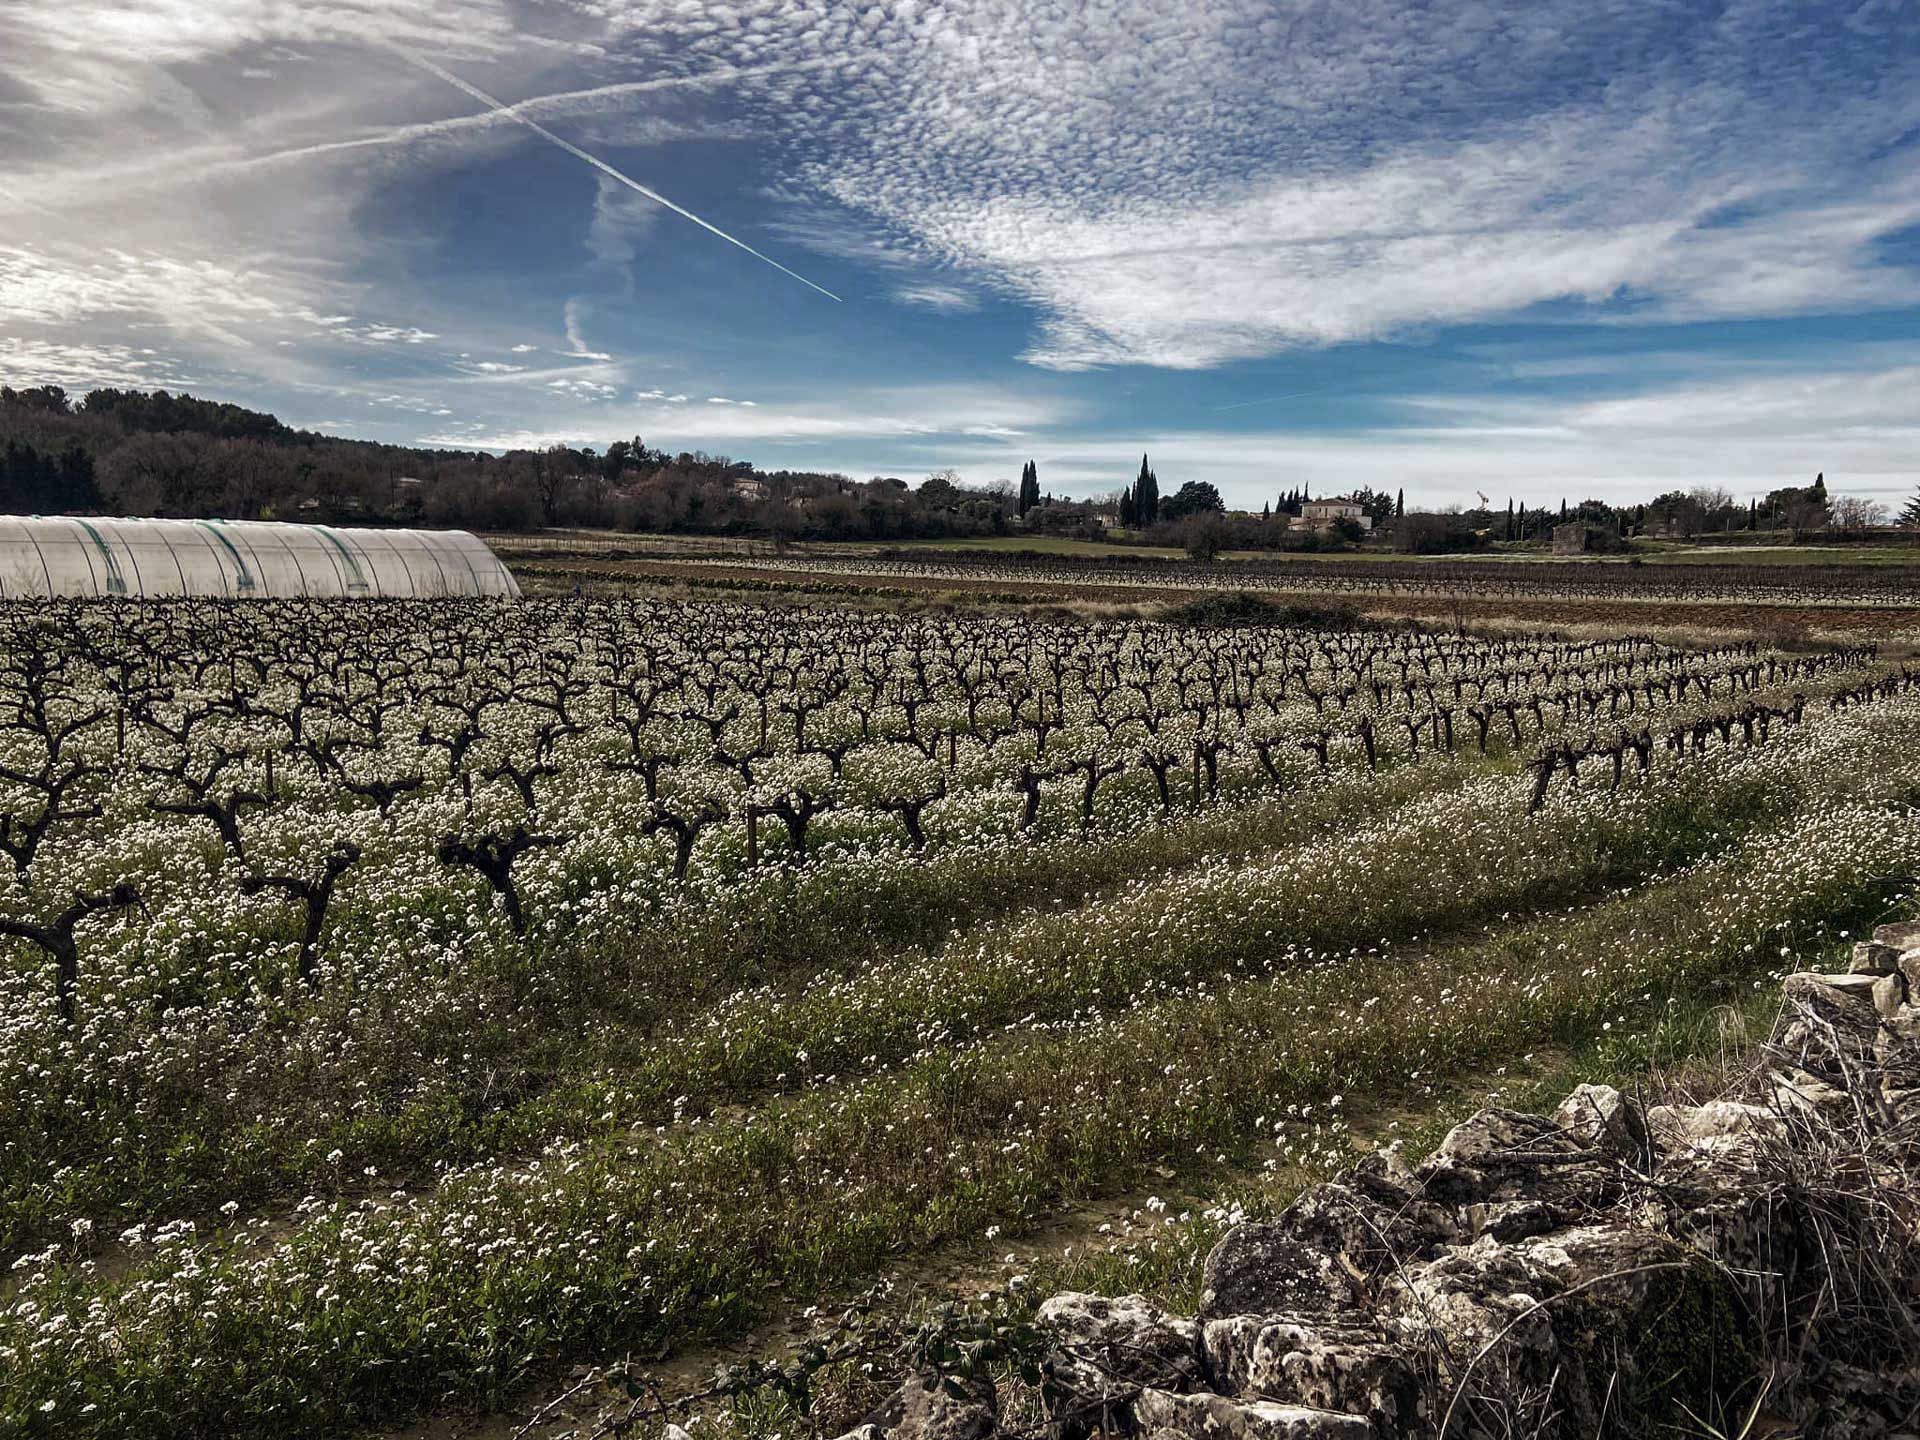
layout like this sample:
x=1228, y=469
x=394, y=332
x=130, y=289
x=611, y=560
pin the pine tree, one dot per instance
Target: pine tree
x=1909, y=517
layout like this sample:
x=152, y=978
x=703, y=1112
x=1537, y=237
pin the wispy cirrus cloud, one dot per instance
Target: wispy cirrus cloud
x=1189, y=188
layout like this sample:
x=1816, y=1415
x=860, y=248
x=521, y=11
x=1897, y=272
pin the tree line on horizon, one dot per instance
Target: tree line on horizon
x=132, y=452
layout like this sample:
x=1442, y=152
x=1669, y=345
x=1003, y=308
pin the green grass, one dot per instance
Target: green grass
x=378, y=1311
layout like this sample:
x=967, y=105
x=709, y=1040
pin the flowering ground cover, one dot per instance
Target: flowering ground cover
x=398, y=998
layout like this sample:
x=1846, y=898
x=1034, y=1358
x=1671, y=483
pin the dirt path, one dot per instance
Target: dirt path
x=591, y=1401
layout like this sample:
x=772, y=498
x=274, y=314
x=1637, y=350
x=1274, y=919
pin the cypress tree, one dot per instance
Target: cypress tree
x=1400, y=503
x=1147, y=494
x=1029, y=486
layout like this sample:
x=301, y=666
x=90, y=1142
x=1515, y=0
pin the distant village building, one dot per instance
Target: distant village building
x=1320, y=515
x=750, y=489
x=1581, y=537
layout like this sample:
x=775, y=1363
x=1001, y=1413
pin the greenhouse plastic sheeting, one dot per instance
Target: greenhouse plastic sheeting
x=240, y=559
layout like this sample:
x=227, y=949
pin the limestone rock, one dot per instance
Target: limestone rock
x=1601, y=1115
x=1501, y=1154
x=1717, y=1129
x=1259, y=1268
x=1902, y=935
x=1108, y=1348
x=1312, y=1361
x=1327, y=1250
x=1889, y=994
x=1366, y=1225
x=1613, y=1262
x=1512, y=1219
x=1870, y=957
x=1469, y=1298
x=1162, y=1415
x=1611, y=1285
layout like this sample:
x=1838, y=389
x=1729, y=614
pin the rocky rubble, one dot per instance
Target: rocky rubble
x=1579, y=1274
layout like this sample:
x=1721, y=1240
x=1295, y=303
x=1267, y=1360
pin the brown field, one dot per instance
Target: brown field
x=1779, y=623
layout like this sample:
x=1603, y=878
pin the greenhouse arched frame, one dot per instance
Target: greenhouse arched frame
x=51, y=556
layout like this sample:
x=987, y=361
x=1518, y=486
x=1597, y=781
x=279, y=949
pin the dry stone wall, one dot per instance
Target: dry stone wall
x=1579, y=1274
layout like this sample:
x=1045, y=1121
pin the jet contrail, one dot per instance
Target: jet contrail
x=401, y=134
x=574, y=150
x=1269, y=399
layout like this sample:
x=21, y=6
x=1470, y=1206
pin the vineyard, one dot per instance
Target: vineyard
x=1718, y=583
x=405, y=1000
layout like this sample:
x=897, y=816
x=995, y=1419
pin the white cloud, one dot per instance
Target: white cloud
x=70, y=286
x=417, y=404
x=622, y=220
x=963, y=412
x=1187, y=186
x=77, y=365
x=1859, y=427
x=583, y=389
x=949, y=298
x=383, y=334
x=1182, y=186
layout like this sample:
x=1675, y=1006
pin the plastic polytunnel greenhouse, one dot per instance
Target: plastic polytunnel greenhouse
x=44, y=556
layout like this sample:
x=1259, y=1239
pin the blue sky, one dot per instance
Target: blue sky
x=1541, y=250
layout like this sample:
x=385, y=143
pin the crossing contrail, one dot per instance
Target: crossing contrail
x=512, y=112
